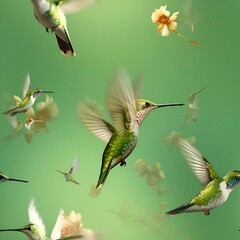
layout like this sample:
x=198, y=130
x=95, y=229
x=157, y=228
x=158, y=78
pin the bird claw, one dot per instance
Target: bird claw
x=123, y=163
x=206, y=213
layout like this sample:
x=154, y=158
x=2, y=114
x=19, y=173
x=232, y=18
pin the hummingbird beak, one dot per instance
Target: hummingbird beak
x=170, y=105
x=60, y=171
x=11, y=230
x=200, y=90
x=45, y=91
x=39, y=121
x=17, y=180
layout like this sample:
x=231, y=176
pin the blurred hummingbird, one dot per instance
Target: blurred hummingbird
x=216, y=189
x=193, y=110
x=69, y=175
x=28, y=100
x=127, y=111
x=35, y=230
x=4, y=178
x=19, y=127
x=51, y=15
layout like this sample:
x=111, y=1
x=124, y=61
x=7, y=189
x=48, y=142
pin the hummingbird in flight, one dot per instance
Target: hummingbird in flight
x=193, y=109
x=20, y=127
x=29, y=97
x=69, y=175
x=215, y=190
x=4, y=178
x=127, y=111
x=51, y=15
x=35, y=230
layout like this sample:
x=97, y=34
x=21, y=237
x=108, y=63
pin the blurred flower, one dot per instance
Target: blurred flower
x=71, y=226
x=161, y=18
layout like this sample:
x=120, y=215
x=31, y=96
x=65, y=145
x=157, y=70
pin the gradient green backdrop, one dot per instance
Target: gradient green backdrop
x=108, y=35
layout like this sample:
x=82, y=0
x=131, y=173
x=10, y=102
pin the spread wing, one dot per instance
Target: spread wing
x=26, y=86
x=200, y=166
x=71, y=6
x=91, y=116
x=122, y=104
x=35, y=218
x=56, y=232
x=74, y=167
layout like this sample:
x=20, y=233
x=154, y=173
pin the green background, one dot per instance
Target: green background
x=108, y=35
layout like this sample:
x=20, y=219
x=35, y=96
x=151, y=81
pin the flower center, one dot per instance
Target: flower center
x=164, y=19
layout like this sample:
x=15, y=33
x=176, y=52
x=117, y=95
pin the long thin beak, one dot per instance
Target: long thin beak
x=17, y=180
x=45, y=91
x=11, y=230
x=201, y=90
x=38, y=121
x=60, y=172
x=170, y=105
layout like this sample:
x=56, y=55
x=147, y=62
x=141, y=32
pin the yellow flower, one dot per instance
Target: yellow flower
x=162, y=18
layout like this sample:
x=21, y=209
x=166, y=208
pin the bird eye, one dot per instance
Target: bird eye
x=147, y=104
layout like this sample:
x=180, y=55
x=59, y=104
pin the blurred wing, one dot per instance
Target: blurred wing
x=200, y=166
x=56, y=232
x=137, y=87
x=74, y=167
x=71, y=6
x=91, y=116
x=13, y=121
x=26, y=85
x=35, y=218
x=122, y=104
x=46, y=111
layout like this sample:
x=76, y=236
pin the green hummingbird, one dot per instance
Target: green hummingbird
x=35, y=230
x=51, y=15
x=216, y=189
x=69, y=175
x=193, y=109
x=28, y=100
x=4, y=178
x=127, y=111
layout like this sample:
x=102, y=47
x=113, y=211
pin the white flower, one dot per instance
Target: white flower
x=162, y=18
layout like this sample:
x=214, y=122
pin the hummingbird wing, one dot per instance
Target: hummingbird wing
x=13, y=121
x=74, y=166
x=71, y=6
x=35, y=218
x=56, y=232
x=199, y=164
x=91, y=116
x=122, y=104
x=26, y=86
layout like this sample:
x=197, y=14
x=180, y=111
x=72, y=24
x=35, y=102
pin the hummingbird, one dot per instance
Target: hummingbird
x=51, y=15
x=69, y=175
x=35, y=230
x=28, y=100
x=215, y=189
x=127, y=111
x=20, y=127
x=4, y=178
x=193, y=110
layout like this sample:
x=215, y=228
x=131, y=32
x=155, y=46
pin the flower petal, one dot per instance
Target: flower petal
x=174, y=16
x=164, y=11
x=160, y=27
x=156, y=16
x=172, y=26
x=165, y=31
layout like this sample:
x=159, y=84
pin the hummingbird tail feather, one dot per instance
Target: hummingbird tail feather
x=103, y=176
x=13, y=111
x=65, y=47
x=180, y=209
